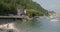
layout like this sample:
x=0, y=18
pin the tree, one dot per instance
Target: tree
x=10, y=6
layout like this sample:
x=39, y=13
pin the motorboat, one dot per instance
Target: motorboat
x=55, y=20
x=51, y=17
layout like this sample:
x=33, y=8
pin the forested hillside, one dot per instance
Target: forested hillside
x=10, y=7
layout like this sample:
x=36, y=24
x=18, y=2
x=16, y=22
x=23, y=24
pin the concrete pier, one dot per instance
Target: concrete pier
x=21, y=17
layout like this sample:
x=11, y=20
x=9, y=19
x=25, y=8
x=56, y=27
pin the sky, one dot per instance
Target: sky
x=51, y=5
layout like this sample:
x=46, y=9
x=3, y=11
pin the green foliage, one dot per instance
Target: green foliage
x=31, y=11
x=10, y=6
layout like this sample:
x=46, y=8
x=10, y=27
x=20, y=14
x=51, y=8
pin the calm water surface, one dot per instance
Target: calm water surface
x=42, y=25
x=46, y=24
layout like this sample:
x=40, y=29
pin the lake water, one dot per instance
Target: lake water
x=43, y=25
x=46, y=24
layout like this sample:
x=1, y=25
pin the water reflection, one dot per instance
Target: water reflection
x=28, y=26
x=55, y=21
x=50, y=24
x=38, y=25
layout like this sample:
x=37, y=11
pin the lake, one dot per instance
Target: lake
x=45, y=24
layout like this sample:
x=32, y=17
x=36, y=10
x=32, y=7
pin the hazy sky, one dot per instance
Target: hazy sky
x=50, y=4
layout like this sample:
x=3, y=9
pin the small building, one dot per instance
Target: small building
x=21, y=11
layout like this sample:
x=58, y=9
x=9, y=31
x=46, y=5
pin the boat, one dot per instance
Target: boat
x=55, y=20
x=51, y=17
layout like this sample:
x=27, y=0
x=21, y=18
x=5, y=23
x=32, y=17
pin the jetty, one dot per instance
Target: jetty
x=21, y=17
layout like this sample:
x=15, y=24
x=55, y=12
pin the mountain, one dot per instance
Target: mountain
x=10, y=7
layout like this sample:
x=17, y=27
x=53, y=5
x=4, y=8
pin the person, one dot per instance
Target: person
x=9, y=30
x=12, y=30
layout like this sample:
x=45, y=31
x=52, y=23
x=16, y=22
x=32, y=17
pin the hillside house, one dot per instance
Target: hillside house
x=21, y=11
